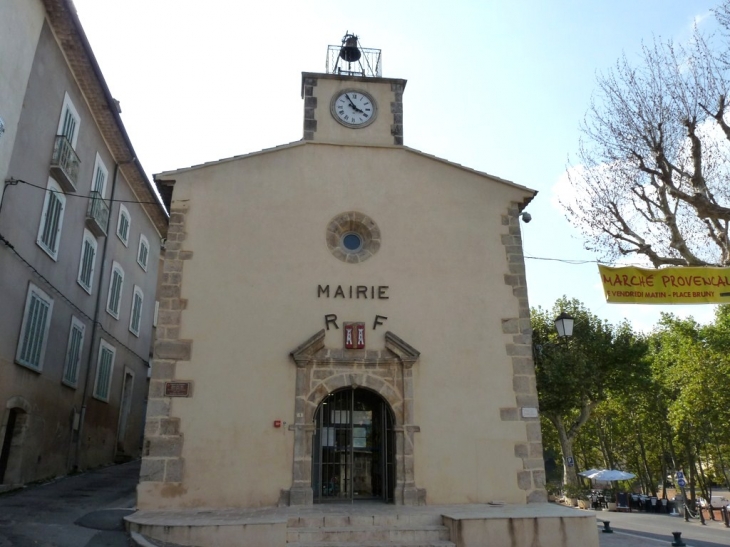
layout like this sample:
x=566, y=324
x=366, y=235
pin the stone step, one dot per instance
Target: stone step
x=436, y=543
x=377, y=534
x=386, y=520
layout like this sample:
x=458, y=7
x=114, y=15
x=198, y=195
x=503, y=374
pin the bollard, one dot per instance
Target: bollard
x=678, y=540
x=702, y=517
x=607, y=527
x=686, y=512
x=725, y=516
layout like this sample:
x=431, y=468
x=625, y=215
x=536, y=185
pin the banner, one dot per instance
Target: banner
x=676, y=285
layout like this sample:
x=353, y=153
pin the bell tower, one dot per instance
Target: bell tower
x=351, y=103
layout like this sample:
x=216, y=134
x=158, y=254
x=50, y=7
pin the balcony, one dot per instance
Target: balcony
x=65, y=164
x=97, y=215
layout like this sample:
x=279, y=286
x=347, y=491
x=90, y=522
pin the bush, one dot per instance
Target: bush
x=575, y=491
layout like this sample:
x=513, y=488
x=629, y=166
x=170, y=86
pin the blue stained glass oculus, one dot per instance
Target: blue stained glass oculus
x=352, y=242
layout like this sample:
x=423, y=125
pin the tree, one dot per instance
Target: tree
x=691, y=368
x=655, y=155
x=575, y=375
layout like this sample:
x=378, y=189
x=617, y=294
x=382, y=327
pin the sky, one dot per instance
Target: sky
x=500, y=86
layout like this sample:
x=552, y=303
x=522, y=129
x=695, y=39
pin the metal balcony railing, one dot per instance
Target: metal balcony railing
x=97, y=215
x=65, y=164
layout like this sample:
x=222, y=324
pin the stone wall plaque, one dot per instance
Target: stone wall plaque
x=529, y=412
x=178, y=389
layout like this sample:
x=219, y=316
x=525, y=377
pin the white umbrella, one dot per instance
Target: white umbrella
x=588, y=472
x=609, y=475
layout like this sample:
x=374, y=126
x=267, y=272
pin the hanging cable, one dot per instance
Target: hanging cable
x=65, y=298
x=16, y=181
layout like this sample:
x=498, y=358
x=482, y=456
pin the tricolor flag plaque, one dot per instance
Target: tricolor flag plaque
x=354, y=335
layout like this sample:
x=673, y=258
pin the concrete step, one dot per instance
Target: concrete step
x=437, y=543
x=377, y=534
x=385, y=520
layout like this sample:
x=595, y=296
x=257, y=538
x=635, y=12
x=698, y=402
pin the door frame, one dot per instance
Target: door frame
x=321, y=371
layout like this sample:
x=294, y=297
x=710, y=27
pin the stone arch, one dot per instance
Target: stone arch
x=388, y=372
x=18, y=402
x=355, y=380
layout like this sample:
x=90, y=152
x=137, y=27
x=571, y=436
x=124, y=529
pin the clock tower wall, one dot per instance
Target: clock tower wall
x=322, y=125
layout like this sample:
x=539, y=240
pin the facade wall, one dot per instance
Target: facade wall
x=320, y=125
x=250, y=244
x=20, y=26
x=47, y=443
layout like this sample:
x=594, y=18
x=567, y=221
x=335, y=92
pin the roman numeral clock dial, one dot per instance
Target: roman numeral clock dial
x=353, y=108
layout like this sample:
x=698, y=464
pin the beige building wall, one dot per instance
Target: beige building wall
x=249, y=243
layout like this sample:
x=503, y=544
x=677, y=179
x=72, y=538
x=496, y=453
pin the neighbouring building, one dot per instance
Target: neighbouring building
x=343, y=319
x=80, y=237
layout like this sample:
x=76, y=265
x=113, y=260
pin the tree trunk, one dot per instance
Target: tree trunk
x=570, y=475
x=719, y=453
x=647, y=471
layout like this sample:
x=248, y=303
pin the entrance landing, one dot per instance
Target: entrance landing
x=368, y=524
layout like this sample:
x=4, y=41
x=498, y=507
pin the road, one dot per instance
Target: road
x=84, y=510
x=647, y=529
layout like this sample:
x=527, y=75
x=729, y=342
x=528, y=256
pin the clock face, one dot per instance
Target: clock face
x=354, y=108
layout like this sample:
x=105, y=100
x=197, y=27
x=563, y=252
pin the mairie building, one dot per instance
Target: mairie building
x=343, y=319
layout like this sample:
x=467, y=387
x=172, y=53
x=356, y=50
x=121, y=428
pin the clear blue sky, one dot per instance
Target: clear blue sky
x=499, y=86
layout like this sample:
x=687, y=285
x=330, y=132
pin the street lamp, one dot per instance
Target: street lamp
x=564, y=325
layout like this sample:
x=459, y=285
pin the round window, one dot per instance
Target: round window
x=352, y=242
x=353, y=237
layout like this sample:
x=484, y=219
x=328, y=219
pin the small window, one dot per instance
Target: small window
x=88, y=258
x=34, y=332
x=104, y=370
x=115, y=290
x=123, y=225
x=73, y=352
x=49, y=232
x=98, y=182
x=136, y=316
x=68, y=125
x=143, y=252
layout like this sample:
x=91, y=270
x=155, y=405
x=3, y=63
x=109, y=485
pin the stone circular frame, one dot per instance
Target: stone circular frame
x=333, y=108
x=353, y=222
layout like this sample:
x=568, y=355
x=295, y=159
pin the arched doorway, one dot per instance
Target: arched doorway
x=353, y=448
x=10, y=457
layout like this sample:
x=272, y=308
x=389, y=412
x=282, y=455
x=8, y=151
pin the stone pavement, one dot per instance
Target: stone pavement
x=84, y=510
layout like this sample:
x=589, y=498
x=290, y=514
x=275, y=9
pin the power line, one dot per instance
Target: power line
x=68, y=300
x=565, y=260
x=576, y=262
x=14, y=181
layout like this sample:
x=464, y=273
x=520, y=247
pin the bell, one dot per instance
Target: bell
x=349, y=51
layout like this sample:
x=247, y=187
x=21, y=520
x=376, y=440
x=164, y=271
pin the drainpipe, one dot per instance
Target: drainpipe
x=90, y=359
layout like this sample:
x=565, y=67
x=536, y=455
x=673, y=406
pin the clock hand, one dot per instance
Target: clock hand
x=353, y=104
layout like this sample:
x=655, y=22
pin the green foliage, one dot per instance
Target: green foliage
x=655, y=404
x=575, y=375
x=691, y=369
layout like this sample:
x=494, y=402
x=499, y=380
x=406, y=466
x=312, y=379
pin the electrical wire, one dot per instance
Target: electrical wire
x=564, y=260
x=579, y=262
x=66, y=299
x=13, y=181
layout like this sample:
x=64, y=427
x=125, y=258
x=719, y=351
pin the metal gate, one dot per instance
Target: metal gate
x=353, y=448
